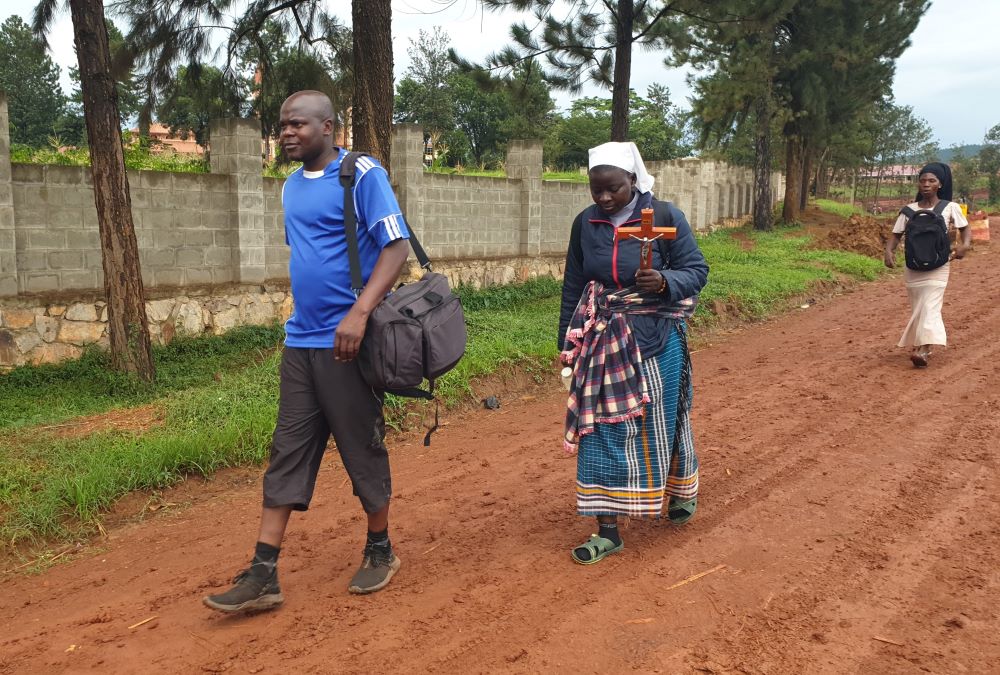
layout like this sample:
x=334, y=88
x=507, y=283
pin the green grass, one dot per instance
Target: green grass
x=839, y=208
x=51, y=393
x=467, y=171
x=780, y=264
x=136, y=157
x=566, y=176
x=220, y=394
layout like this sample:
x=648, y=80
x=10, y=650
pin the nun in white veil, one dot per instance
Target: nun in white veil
x=623, y=332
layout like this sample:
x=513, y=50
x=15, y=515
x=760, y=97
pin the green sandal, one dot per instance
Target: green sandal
x=598, y=547
x=681, y=512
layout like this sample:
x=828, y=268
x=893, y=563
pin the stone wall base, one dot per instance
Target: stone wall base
x=491, y=271
x=34, y=331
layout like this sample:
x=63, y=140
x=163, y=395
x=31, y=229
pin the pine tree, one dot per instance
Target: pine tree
x=742, y=49
x=590, y=42
x=31, y=79
x=840, y=57
x=128, y=330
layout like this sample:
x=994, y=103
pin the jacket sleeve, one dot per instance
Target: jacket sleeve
x=573, y=279
x=688, y=271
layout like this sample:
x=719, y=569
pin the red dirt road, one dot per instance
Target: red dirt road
x=853, y=501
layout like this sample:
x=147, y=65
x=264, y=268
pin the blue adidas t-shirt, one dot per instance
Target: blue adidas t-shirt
x=313, y=202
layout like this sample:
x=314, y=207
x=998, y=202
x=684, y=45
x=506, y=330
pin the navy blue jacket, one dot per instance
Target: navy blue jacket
x=595, y=254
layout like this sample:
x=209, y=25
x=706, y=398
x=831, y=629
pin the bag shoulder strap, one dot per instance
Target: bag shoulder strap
x=941, y=206
x=908, y=212
x=348, y=169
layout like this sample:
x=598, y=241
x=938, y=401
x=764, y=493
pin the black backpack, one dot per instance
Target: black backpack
x=927, y=244
x=417, y=332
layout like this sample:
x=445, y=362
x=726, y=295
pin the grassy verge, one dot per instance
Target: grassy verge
x=51, y=393
x=838, y=208
x=779, y=264
x=565, y=176
x=219, y=395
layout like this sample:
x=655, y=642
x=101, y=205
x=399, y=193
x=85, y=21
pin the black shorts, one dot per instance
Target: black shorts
x=320, y=396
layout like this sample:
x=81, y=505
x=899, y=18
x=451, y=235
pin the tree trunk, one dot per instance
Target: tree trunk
x=763, y=218
x=793, y=179
x=127, y=328
x=807, y=167
x=623, y=72
x=373, y=95
x=878, y=186
x=823, y=174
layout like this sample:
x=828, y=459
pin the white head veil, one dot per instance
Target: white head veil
x=625, y=156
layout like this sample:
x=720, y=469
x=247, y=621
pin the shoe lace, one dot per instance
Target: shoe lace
x=378, y=556
x=244, y=574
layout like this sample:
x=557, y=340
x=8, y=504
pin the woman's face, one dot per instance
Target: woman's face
x=611, y=188
x=929, y=185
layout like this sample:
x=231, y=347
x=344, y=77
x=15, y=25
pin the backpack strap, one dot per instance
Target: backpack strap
x=908, y=212
x=941, y=206
x=347, y=177
x=664, y=244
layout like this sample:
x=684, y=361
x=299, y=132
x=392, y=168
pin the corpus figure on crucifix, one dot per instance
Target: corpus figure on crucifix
x=646, y=234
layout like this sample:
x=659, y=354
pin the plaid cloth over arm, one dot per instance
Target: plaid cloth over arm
x=608, y=385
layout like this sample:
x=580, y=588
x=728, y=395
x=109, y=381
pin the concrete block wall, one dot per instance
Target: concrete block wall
x=227, y=227
x=708, y=191
x=469, y=217
x=562, y=202
x=183, y=223
x=276, y=252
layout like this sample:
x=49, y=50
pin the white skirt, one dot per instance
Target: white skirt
x=926, y=291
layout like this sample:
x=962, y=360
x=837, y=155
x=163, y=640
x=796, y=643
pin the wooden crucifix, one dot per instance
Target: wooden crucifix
x=646, y=235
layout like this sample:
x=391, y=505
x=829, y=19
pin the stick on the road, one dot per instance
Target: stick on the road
x=695, y=577
x=136, y=625
x=887, y=641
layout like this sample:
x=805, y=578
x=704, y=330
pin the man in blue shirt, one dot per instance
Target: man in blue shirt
x=322, y=391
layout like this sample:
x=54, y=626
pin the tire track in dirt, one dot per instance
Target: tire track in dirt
x=846, y=493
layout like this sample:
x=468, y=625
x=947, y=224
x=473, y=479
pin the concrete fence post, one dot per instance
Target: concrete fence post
x=236, y=152
x=524, y=163
x=407, y=172
x=8, y=250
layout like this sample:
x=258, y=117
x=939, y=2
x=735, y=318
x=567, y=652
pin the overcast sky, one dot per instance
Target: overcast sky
x=950, y=75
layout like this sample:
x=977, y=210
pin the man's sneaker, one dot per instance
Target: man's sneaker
x=377, y=568
x=256, y=589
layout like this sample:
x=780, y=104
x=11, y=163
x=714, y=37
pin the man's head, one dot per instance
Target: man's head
x=306, y=126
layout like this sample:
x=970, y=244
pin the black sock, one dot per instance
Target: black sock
x=610, y=532
x=265, y=553
x=380, y=539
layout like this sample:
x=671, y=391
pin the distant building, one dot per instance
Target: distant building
x=165, y=141
x=892, y=172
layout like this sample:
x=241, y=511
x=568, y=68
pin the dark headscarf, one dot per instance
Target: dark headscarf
x=943, y=173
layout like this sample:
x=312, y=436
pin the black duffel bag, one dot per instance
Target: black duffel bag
x=417, y=332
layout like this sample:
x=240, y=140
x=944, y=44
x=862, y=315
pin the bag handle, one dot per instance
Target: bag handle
x=347, y=171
